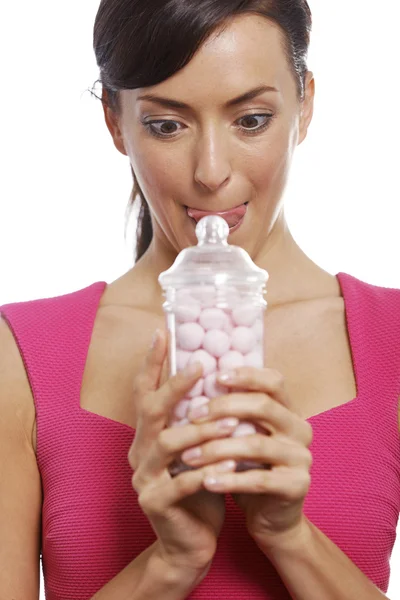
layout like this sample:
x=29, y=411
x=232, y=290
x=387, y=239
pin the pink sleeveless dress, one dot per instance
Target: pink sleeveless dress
x=92, y=526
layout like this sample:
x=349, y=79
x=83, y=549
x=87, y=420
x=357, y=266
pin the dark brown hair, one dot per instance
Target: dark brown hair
x=140, y=43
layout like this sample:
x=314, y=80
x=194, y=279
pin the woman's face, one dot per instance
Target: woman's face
x=212, y=155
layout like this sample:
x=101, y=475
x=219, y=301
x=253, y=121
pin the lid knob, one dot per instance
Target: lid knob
x=212, y=229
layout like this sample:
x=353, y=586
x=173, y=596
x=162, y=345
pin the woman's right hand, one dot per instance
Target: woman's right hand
x=186, y=517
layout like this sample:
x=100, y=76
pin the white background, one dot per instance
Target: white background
x=64, y=187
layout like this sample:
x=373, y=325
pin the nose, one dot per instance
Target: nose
x=212, y=165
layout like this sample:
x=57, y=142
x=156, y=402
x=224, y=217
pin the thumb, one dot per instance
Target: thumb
x=154, y=361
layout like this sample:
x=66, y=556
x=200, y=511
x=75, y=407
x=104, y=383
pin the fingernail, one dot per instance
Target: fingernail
x=228, y=465
x=227, y=377
x=191, y=454
x=228, y=423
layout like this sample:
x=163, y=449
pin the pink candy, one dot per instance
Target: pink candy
x=189, y=336
x=213, y=318
x=216, y=342
x=220, y=339
x=243, y=339
x=231, y=360
x=208, y=361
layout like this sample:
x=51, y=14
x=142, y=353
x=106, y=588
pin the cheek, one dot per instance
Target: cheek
x=268, y=167
x=155, y=174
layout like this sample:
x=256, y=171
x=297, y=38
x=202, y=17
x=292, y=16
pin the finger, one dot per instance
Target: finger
x=148, y=378
x=172, y=442
x=269, y=381
x=290, y=484
x=154, y=409
x=262, y=410
x=164, y=492
x=256, y=448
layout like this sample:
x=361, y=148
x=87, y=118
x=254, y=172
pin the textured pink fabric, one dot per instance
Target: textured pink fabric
x=92, y=526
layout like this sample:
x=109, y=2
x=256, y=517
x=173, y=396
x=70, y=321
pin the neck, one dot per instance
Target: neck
x=293, y=276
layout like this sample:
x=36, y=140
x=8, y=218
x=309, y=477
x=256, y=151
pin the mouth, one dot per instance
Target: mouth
x=233, y=216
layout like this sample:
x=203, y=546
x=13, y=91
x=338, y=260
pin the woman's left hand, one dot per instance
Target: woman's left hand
x=272, y=497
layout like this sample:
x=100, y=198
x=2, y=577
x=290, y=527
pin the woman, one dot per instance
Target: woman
x=209, y=100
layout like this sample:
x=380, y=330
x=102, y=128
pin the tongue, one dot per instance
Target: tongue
x=232, y=217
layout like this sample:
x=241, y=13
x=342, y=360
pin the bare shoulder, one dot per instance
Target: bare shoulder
x=16, y=390
x=129, y=313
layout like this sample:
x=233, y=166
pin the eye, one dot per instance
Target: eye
x=166, y=129
x=253, y=130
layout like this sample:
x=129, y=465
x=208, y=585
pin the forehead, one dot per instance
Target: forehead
x=244, y=54
x=248, y=40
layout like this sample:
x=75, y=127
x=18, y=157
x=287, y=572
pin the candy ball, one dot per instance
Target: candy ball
x=181, y=409
x=213, y=318
x=245, y=315
x=209, y=362
x=212, y=387
x=182, y=359
x=187, y=313
x=197, y=389
x=243, y=339
x=231, y=360
x=216, y=342
x=198, y=401
x=189, y=336
x=254, y=359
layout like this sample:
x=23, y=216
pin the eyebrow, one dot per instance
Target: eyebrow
x=170, y=103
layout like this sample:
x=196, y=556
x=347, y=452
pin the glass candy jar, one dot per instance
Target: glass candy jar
x=214, y=307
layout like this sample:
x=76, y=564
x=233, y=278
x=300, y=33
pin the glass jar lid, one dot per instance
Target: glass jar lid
x=213, y=260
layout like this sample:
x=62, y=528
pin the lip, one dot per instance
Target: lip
x=235, y=227
x=215, y=212
x=227, y=214
x=233, y=216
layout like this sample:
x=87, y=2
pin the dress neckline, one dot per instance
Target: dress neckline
x=339, y=276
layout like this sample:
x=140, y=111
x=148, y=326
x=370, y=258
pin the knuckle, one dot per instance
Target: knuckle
x=299, y=486
x=257, y=443
x=164, y=441
x=144, y=501
x=306, y=480
x=309, y=433
x=150, y=502
x=308, y=458
x=138, y=481
x=151, y=410
x=135, y=481
x=266, y=403
x=262, y=484
x=133, y=457
x=182, y=482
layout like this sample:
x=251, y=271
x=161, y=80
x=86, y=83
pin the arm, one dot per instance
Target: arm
x=20, y=483
x=312, y=567
x=148, y=577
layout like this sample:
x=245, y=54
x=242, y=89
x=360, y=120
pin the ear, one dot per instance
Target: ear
x=112, y=121
x=307, y=106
